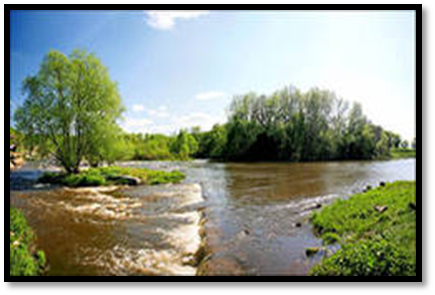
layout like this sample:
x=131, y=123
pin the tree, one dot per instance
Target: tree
x=184, y=145
x=414, y=144
x=404, y=144
x=71, y=107
x=212, y=144
x=295, y=126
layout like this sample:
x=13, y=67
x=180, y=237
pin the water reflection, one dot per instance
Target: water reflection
x=253, y=208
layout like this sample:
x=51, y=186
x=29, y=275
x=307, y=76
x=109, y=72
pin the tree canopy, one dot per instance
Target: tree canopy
x=71, y=108
x=290, y=125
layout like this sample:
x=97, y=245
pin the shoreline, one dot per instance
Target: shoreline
x=378, y=224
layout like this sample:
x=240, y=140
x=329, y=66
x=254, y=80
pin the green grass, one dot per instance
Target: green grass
x=402, y=153
x=104, y=176
x=372, y=243
x=24, y=259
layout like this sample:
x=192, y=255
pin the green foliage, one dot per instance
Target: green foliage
x=403, y=153
x=373, y=242
x=148, y=147
x=23, y=260
x=211, y=144
x=161, y=177
x=109, y=146
x=111, y=176
x=367, y=258
x=184, y=145
x=293, y=126
x=330, y=238
x=71, y=109
x=13, y=136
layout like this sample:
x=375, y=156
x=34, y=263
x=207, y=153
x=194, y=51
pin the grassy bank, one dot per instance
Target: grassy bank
x=112, y=176
x=402, y=153
x=376, y=231
x=24, y=259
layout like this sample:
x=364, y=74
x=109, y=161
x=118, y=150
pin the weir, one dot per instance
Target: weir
x=118, y=231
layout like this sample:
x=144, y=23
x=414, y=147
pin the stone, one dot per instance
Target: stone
x=381, y=209
x=369, y=187
x=127, y=180
x=311, y=251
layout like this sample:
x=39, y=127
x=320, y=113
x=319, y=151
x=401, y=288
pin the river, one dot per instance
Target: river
x=245, y=219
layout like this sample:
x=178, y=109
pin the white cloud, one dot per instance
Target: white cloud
x=136, y=125
x=166, y=19
x=160, y=112
x=138, y=108
x=203, y=120
x=210, y=95
x=173, y=124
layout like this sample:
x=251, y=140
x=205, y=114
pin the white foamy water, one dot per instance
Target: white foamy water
x=144, y=230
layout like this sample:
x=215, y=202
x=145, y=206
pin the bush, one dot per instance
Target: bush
x=23, y=260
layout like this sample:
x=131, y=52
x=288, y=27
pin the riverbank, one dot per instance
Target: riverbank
x=108, y=176
x=403, y=153
x=376, y=231
x=25, y=260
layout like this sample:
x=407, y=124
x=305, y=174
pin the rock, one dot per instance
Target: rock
x=243, y=234
x=298, y=224
x=381, y=209
x=369, y=187
x=314, y=207
x=311, y=251
x=382, y=183
x=127, y=180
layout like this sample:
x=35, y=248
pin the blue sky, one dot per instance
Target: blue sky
x=180, y=69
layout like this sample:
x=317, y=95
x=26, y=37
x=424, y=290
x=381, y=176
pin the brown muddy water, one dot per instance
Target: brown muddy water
x=242, y=217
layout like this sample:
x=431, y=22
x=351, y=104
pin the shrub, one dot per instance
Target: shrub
x=23, y=262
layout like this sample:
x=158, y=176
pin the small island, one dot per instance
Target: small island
x=104, y=176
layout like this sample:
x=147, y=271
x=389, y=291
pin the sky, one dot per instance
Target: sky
x=178, y=69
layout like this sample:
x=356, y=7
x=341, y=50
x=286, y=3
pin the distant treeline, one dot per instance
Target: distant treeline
x=290, y=125
x=72, y=109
